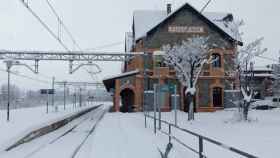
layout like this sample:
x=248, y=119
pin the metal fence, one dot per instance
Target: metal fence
x=201, y=139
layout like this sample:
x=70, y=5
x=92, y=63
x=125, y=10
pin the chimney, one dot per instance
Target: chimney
x=169, y=8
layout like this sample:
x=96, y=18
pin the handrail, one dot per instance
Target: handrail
x=201, y=138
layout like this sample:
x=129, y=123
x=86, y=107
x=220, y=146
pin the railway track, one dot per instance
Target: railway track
x=70, y=141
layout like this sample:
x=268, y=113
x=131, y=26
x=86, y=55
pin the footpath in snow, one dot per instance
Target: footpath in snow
x=22, y=121
x=124, y=135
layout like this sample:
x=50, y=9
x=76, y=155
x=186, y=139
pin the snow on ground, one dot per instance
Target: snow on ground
x=61, y=143
x=259, y=137
x=124, y=136
x=23, y=120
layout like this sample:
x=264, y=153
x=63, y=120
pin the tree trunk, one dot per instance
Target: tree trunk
x=246, y=110
x=190, y=97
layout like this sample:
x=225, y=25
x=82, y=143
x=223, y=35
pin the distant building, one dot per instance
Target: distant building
x=276, y=84
x=151, y=30
x=263, y=80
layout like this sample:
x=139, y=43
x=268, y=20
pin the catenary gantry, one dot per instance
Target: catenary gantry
x=66, y=56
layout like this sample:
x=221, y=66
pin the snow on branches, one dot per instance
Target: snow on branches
x=244, y=68
x=186, y=58
x=247, y=53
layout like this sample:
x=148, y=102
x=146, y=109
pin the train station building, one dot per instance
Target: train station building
x=152, y=29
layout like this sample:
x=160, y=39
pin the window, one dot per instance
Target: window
x=275, y=100
x=159, y=61
x=216, y=60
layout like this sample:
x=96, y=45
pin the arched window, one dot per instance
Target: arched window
x=217, y=63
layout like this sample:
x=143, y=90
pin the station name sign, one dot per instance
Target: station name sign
x=186, y=29
x=47, y=91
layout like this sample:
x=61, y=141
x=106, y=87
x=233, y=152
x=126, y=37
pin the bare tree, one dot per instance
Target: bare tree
x=244, y=68
x=15, y=93
x=187, y=59
x=244, y=71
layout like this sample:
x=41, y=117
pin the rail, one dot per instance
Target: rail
x=201, y=140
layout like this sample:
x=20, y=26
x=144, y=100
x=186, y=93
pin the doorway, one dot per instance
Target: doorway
x=217, y=97
x=127, y=100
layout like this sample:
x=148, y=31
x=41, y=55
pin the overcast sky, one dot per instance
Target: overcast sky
x=98, y=23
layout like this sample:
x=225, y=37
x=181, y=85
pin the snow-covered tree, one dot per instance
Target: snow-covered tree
x=188, y=58
x=244, y=70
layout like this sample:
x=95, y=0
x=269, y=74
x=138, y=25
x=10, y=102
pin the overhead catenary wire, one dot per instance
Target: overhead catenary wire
x=205, y=6
x=26, y=77
x=44, y=25
x=60, y=21
x=105, y=46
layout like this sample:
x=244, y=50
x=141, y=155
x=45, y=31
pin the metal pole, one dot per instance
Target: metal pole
x=80, y=97
x=155, y=109
x=47, y=103
x=64, y=96
x=56, y=108
x=200, y=147
x=169, y=132
x=75, y=100
x=175, y=102
x=145, y=87
x=145, y=120
x=159, y=111
x=158, y=101
x=8, y=105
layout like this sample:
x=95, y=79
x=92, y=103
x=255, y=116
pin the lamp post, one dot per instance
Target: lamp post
x=64, y=94
x=158, y=57
x=53, y=82
x=80, y=98
x=9, y=64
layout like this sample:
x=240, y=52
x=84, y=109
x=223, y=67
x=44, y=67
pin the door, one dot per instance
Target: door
x=217, y=97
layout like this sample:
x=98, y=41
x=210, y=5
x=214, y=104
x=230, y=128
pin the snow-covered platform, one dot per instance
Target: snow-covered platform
x=124, y=135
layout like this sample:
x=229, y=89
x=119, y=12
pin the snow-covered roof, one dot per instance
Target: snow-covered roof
x=146, y=20
x=263, y=75
x=109, y=82
x=122, y=75
x=128, y=41
x=229, y=27
x=263, y=68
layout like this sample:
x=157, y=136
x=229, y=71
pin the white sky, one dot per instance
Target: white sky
x=97, y=23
